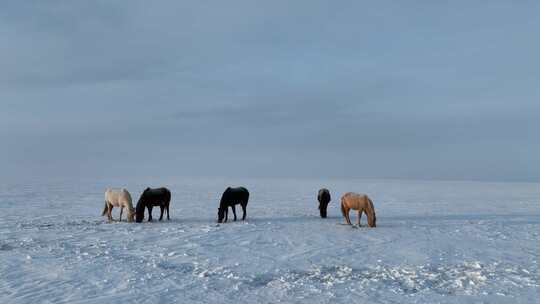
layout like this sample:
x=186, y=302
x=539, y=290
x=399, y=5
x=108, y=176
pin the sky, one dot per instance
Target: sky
x=442, y=90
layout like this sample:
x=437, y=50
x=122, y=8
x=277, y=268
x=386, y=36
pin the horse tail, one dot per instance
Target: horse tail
x=343, y=211
x=168, y=198
x=104, y=209
x=373, y=212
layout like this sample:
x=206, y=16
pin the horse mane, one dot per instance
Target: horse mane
x=223, y=199
x=372, y=210
x=141, y=204
x=130, y=200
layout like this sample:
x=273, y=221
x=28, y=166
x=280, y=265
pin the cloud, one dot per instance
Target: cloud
x=426, y=90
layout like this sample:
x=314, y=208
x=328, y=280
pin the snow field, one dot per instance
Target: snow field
x=447, y=242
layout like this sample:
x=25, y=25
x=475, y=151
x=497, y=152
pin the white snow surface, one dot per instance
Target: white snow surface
x=436, y=242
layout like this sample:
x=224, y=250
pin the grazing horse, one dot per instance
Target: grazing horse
x=118, y=198
x=230, y=198
x=324, y=198
x=360, y=202
x=153, y=197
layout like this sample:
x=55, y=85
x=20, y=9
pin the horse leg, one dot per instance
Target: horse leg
x=244, y=210
x=168, y=212
x=322, y=209
x=345, y=212
x=226, y=214
x=347, y=218
x=234, y=212
x=105, y=209
x=121, y=210
x=150, y=212
x=359, y=216
x=162, y=209
x=109, y=212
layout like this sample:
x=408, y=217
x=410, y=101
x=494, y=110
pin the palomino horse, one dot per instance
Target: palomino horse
x=118, y=198
x=153, y=197
x=230, y=198
x=360, y=202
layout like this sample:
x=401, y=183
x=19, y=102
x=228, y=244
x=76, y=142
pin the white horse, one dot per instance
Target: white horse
x=118, y=198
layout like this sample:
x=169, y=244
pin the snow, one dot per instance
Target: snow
x=436, y=242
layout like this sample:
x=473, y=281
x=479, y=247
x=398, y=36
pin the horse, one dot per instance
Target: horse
x=153, y=197
x=230, y=198
x=360, y=202
x=324, y=199
x=118, y=198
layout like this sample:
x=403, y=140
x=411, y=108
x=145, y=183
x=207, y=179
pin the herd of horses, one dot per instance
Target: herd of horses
x=231, y=197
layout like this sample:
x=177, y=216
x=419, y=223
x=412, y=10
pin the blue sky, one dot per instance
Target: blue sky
x=386, y=89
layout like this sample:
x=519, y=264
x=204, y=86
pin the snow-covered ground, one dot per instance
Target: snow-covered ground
x=449, y=242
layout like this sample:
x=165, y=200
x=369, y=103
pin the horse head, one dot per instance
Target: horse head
x=374, y=221
x=139, y=209
x=221, y=215
x=131, y=214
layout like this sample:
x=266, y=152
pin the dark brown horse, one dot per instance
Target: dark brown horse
x=324, y=199
x=230, y=198
x=153, y=197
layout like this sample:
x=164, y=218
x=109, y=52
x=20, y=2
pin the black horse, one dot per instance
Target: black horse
x=153, y=197
x=324, y=199
x=230, y=198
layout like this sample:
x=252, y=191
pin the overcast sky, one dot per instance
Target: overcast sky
x=367, y=89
